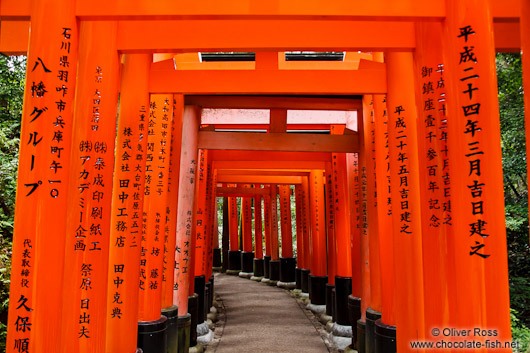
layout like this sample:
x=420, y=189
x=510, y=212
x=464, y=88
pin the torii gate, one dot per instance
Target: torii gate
x=82, y=233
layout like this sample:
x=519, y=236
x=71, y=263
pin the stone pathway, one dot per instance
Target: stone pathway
x=260, y=318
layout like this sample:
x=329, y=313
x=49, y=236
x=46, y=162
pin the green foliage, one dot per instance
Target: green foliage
x=520, y=333
x=12, y=71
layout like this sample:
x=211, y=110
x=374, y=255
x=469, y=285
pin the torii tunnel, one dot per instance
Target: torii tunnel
x=377, y=119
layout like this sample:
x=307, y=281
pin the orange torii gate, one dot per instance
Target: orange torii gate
x=456, y=122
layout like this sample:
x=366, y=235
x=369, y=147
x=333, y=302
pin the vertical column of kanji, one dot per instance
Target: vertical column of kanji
x=200, y=214
x=234, y=255
x=434, y=181
x=89, y=202
x=318, y=277
x=168, y=286
x=330, y=231
x=40, y=215
x=127, y=204
x=247, y=256
x=268, y=230
x=185, y=219
x=525, y=50
x=299, y=235
x=212, y=214
x=363, y=224
x=287, y=261
x=258, y=238
x=404, y=174
x=306, y=219
x=475, y=163
x=274, y=264
x=341, y=205
x=385, y=331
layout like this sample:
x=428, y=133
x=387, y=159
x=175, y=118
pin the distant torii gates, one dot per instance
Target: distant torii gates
x=114, y=226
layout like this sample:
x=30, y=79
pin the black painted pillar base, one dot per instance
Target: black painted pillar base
x=274, y=270
x=211, y=293
x=200, y=289
x=343, y=287
x=371, y=317
x=385, y=338
x=193, y=310
x=184, y=331
x=305, y=280
x=361, y=336
x=317, y=289
x=334, y=304
x=329, y=299
x=258, y=267
x=247, y=262
x=266, y=266
x=217, y=263
x=234, y=262
x=287, y=269
x=354, y=311
x=152, y=335
x=298, y=277
x=171, y=314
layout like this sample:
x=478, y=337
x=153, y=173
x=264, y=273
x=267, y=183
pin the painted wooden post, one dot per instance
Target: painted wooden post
x=185, y=218
x=404, y=174
x=258, y=239
x=127, y=204
x=435, y=179
x=299, y=235
x=44, y=161
x=318, y=277
x=287, y=261
x=268, y=231
x=234, y=255
x=481, y=277
x=247, y=256
x=274, y=265
x=89, y=202
x=330, y=232
x=307, y=231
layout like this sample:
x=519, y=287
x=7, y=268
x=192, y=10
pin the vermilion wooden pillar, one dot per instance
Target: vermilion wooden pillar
x=258, y=239
x=234, y=255
x=479, y=248
x=435, y=178
x=287, y=261
x=126, y=216
x=247, y=256
x=185, y=217
x=299, y=235
x=268, y=231
x=40, y=231
x=318, y=277
x=404, y=174
x=90, y=194
x=306, y=219
x=330, y=232
x=525, y=50
x=385, y=327
x=170, y=236
x=274, y=265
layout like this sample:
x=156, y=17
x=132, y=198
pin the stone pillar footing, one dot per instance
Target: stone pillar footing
x=361, y=336
x=298, y=278
x=343, y=288
x=171, y=314
x=287, y=269
x=266, y=266
x=152, y=335
x=317, y=289
x=385, y=338
x=234, y=261
x=274, y=270
x=305, y=280
x=354, y=311
x=183, y=330
x=247, y=262
x=258, y=267
x=371, y=317
x=193, y=310
x=329, y=299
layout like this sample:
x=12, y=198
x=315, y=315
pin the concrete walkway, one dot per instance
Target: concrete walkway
x=261, y=318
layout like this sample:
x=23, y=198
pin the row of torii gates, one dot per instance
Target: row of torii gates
x=106, y=206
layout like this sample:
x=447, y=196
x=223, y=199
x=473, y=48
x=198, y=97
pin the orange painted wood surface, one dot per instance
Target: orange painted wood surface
x=330, y=224
x=285, y=220
x=318, y=224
